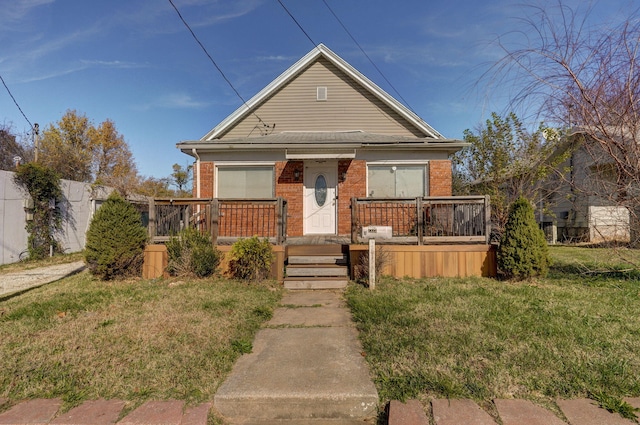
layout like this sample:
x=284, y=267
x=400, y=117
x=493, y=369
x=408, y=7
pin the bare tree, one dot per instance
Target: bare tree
x=585, y=79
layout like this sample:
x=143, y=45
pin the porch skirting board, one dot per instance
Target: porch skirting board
x=277, y=267
x=432, y=260
x=156, y=260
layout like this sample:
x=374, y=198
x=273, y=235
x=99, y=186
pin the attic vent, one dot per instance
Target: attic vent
x=321, y=94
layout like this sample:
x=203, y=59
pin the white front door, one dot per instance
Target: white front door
x=320, y=180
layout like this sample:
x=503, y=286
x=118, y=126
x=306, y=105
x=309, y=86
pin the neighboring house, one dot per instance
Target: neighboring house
x=584, y=197
x=317, y=136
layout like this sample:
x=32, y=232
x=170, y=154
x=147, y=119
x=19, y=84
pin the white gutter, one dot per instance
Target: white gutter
x=195, y=154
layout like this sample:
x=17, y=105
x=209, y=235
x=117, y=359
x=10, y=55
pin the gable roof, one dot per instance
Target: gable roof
x=321, y=51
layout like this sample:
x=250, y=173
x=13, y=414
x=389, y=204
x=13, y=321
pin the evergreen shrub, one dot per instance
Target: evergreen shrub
x=251, y=259
x=192, y=253
x=523, y=252
x=115, y=240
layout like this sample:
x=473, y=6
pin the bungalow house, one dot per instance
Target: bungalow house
x=324, y=155
x=318, y=135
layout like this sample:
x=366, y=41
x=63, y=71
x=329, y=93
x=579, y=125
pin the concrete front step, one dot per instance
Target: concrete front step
x=315, y=283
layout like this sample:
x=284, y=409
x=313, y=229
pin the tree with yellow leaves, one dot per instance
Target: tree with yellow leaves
x=78, y=150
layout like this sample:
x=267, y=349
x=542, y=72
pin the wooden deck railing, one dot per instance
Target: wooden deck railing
x=453, y=219
x=227, y=220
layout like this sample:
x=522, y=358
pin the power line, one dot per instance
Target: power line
x=366, y=55
x=16, y=102
x=297, y=23
x=204, y=49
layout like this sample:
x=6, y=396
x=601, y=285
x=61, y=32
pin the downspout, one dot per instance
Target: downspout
x=195, y=153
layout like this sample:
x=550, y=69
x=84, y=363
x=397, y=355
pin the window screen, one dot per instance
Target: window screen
x=397, y=181
x=245, y=182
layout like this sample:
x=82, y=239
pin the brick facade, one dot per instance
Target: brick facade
x=352, y=182
x=291, y=189
x=205, y=180
x=440, y=183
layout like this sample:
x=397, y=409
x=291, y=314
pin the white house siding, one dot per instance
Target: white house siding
x=348, y=107
x=608, y=223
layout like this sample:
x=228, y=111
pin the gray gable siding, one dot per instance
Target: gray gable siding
x=348, y=107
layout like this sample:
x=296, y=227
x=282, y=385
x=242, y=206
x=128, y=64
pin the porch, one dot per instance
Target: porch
x=422, y=237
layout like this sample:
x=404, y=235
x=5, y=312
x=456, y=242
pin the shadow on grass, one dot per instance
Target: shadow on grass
x=594, y=271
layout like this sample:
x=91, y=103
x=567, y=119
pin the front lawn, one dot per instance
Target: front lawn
x=82, y=339
x=573, y=334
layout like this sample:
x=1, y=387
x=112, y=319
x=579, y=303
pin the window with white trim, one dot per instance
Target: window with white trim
x=245, y=181
x=397, y=181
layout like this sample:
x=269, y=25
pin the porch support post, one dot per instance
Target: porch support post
x=215, y=218
x=185, y=217
x=354, y=220
x=152, y=219
x=487, y=219
x=419, y=220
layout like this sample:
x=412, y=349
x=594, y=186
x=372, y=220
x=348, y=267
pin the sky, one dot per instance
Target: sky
x=135, y=63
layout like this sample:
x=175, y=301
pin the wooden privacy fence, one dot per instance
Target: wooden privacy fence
x=227, y=220
x=452, y=219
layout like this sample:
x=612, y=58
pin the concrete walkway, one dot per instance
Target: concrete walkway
x=11, y=283
x=306, y=367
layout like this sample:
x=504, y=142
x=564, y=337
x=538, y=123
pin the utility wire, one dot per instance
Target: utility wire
x=367, y=56
x=16, y=102
x=297, y=23
x=204, y=49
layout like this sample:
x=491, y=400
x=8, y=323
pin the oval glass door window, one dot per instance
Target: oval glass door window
x=321, y=190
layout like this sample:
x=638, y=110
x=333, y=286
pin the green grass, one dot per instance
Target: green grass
x=82, y=339
x=573, y=334
x=613, y=262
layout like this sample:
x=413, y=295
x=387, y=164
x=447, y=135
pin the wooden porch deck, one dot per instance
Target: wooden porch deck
x=438, y=236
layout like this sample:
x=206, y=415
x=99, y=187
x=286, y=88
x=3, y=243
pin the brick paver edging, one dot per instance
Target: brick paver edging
x=104, y=412
x=511, y=412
